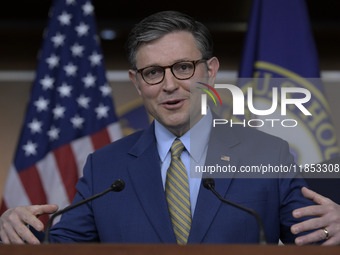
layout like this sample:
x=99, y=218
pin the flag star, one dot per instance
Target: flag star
x=53, y=133
x=82, y=29
x=52, y=61
x=89, y=80
x=35, y=126
x=69, y=2
x=96, y=39
x=95, y=58
x=70, y=69
x=105, y=89
x=87, y=8
x=58, y=112
x=64, y=90
x=41, y=104
x=77, y=121
x=77, y=50
x=30, y=148
x=102, y=111
x=58, y=40
x=83, y=101
x=65, y=18
x=47, y=82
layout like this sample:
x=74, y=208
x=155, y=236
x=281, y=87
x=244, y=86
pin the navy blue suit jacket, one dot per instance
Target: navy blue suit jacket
x=139, y=213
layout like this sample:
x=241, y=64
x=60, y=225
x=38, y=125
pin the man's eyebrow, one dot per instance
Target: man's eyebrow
x=174, y=62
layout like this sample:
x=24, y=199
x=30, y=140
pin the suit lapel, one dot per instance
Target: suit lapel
x=145, y=175
x=220, y=151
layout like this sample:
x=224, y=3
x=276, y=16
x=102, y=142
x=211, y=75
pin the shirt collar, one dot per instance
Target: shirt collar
x=199, y=134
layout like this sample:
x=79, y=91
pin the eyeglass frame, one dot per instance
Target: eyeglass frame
x=194, y=62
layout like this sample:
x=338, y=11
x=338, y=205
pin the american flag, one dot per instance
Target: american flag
x=70, y=112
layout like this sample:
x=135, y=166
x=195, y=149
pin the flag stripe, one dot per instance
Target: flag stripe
x=100, y=139
x=31, y=181
x=52, y=181
x=19, y=197
x=81, y=149
x=114, y=131
x=68, y=168
x=3, y=207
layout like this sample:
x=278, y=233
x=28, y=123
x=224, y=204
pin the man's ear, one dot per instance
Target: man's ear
x=133, y=78
x=213, y=65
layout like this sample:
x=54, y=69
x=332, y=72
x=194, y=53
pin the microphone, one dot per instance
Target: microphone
x=209, y=184
x=117, y=186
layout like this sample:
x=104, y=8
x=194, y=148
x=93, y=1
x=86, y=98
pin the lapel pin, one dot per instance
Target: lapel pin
x=225, y=158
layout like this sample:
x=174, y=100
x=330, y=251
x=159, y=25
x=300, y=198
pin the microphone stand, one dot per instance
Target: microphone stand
x=209, y=184
x=116, y=186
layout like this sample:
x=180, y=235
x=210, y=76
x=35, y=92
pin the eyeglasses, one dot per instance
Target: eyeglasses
x=182, y=70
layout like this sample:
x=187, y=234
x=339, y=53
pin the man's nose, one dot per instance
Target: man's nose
x=170, y=82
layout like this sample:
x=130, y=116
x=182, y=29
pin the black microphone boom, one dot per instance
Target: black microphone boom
x=117, y=186
x=209, y=184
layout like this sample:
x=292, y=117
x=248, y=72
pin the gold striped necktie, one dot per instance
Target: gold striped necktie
x=177, y=194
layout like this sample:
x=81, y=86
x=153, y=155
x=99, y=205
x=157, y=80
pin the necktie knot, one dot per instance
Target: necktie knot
x=177, y=148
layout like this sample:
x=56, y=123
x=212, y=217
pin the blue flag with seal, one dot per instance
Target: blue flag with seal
x=280, y=51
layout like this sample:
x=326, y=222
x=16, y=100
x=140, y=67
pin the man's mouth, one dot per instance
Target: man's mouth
x=173, y=103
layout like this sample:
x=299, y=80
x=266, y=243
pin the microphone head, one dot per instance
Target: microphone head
x=208, y=183
x=118, y=185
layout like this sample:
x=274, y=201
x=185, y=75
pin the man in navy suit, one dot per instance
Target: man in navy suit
x=167, y=51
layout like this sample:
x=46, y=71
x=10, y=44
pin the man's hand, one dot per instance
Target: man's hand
x=13, y=223
x=326, y=224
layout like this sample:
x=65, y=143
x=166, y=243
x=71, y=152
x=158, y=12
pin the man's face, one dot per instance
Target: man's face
x=169, y=101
